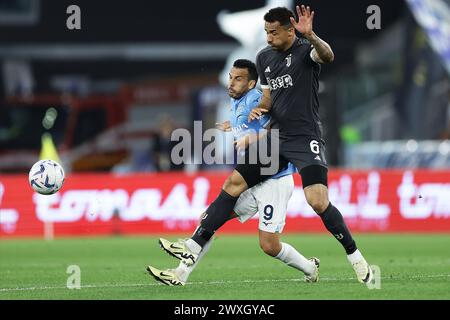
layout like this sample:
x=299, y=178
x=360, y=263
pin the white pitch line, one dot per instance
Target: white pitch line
x=214, y=282
x=83, y=287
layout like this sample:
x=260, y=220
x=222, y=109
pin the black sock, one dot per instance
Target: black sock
x=216, y=215
x=334, y=222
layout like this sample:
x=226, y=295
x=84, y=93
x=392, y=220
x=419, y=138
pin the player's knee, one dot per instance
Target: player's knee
x=318, y=204
x=271, y=248
x=317, y=198
x=234, y=185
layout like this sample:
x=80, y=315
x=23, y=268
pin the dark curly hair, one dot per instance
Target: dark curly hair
x=281, y=14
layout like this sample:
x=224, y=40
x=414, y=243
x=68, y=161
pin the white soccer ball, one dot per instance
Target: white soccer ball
x=46, y=177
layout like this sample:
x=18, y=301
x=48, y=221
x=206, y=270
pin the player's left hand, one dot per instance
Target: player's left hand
x=305, y=21
x=242, y=143
x=256, y=113
x=224, y=126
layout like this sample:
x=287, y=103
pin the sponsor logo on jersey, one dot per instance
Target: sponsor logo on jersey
x=284, y=81
x=267, y=69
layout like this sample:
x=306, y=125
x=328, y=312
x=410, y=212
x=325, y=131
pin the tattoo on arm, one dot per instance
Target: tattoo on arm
x=322, y=50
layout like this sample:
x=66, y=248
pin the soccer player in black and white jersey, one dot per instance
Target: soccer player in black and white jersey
x=289, y=70
x=268, y=199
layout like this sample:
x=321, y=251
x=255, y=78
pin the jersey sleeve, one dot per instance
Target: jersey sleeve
x=260, y=70
x=308, y=52
x=252, y=126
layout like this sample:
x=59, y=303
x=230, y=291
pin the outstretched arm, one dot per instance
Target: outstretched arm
x=322, y=52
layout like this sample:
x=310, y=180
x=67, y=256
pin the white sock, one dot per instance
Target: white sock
x=355, y=257
x=193, y=246
x=183, y=271
x=294, y=259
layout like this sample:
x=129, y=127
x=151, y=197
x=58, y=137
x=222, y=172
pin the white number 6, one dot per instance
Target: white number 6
x=314, y=146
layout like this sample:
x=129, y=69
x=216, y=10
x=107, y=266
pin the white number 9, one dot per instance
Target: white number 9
x=314, y=145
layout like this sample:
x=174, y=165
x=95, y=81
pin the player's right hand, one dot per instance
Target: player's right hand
x=256, y=113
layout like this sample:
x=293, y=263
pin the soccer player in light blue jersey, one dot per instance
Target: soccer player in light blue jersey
x=269, y=198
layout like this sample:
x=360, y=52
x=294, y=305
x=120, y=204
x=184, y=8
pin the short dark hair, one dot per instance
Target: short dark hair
x=281, y=14
x=249, y=65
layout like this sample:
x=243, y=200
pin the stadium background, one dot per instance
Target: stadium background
x=107, y=97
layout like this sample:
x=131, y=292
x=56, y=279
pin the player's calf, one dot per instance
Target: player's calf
x=235, y=184
x=317, y=197
x=270, y=243
x=293, y=258
x=215, y=216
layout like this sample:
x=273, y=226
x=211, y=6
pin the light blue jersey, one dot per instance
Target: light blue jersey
x=240, y=109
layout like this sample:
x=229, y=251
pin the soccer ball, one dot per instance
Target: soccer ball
x=46, y=177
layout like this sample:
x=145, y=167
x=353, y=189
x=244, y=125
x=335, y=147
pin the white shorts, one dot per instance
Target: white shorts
x=270, y=199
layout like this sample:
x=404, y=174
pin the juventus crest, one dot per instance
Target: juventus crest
x=288, y=60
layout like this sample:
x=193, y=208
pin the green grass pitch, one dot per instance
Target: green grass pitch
x=412, y=267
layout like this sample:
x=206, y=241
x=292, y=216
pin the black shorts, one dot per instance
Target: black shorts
x=307, y=154
x=303, y=152
x=255, y=170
